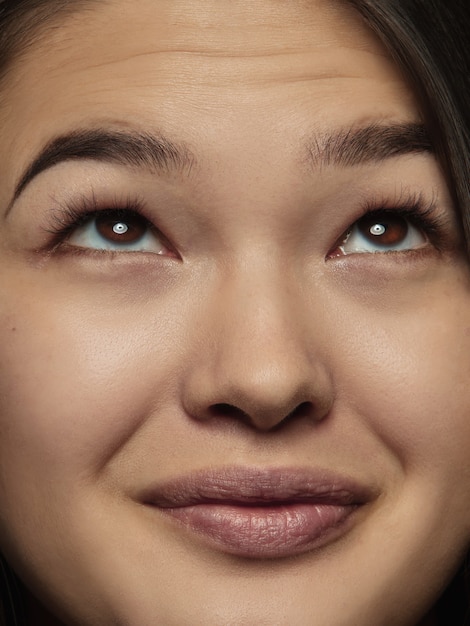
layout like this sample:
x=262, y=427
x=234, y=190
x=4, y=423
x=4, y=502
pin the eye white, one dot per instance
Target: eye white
x=382, y=233
x=130, y=233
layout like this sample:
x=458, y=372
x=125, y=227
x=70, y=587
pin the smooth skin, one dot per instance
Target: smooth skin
x=122, y=369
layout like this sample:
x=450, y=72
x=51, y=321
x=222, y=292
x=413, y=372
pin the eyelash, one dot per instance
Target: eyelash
x=417, y=210
x=78, y=212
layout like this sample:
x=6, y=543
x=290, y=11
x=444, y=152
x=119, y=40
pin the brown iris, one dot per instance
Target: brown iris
x=383, y=229
x=127, y=228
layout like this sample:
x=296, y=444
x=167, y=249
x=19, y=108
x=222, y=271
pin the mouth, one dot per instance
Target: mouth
x=261, y=513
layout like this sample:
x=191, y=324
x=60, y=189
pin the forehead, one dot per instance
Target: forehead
x=220, y=27
x=204, y=67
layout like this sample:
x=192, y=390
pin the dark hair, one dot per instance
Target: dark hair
x=11, y=601
x=429, y=40
x=25, y=23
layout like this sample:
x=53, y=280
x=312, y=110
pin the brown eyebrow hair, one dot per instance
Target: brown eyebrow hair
x=132, y=148
x=368, y=144
x=343, y=147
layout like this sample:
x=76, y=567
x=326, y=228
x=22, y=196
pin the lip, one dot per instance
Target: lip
x=261, y=513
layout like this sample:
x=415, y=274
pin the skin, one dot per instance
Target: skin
x=112, y=364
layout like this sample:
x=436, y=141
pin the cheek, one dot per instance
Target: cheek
x=76, y=381
x=412, y=387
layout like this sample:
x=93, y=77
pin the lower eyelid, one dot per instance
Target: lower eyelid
x=148, y=241
x=425, y=227
x=78, y=226
x=412, y=238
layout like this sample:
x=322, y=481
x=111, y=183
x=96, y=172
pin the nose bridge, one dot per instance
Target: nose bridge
x=258, y=357
x=260, y=319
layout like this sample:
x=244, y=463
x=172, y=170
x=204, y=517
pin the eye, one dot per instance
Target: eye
x=380, y=231
x=118, y=230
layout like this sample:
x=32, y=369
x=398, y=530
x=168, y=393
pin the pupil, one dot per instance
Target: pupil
x=384, y=230
x=377, y=229
x=121, y=229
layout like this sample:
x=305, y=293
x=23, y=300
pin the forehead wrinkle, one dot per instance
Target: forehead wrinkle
x=190, y=68
x=277, y=30
x=290, y=54
x=112, y=48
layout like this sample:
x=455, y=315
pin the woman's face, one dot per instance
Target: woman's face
x=249, y=405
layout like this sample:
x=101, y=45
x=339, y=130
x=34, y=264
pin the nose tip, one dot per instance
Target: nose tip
x=264, y=392
x=256, y=358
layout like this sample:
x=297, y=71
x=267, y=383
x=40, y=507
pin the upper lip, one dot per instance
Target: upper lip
x=257, y=487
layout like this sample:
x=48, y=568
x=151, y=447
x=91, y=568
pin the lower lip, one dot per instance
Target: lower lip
x=271, y=531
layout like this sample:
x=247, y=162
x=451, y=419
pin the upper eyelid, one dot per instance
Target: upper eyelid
x=64, y=233
x=423, y=213
x=73, y=214
x=345, y=147
x=417, y=206
x=408, y=203
x=102, y=197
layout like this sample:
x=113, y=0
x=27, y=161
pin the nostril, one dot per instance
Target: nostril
x=223, y=409
x=304, y=409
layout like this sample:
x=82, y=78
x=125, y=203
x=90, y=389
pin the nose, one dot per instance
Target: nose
x=256, y=359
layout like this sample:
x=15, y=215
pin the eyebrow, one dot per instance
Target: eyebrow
x=344, y=147
x=132, y=148
x=373, y=143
